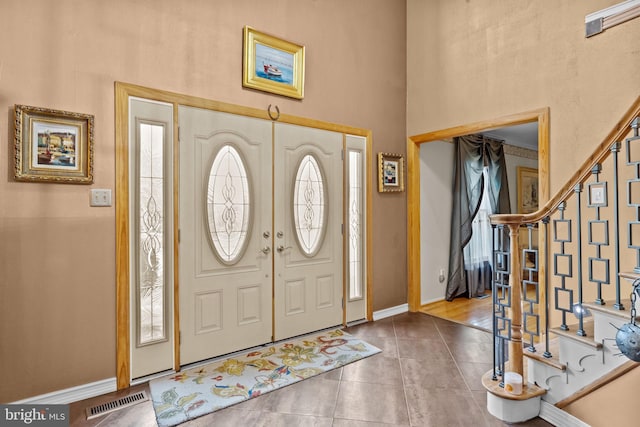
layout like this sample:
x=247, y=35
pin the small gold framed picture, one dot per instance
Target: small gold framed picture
x=390, y=172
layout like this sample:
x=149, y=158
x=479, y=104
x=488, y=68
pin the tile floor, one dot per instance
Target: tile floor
x=428, y=374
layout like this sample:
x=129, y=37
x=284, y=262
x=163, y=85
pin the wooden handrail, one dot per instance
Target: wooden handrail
x=514, y=221
x=583, y=173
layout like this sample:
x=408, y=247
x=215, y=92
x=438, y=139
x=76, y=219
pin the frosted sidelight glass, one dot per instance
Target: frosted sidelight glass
x=354, y=219
x=151, y=236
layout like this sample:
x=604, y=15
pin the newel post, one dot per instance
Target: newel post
x=515, y=280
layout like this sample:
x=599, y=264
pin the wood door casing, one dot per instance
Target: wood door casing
x=124, y=93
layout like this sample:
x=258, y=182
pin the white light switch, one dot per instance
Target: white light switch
x=100, y=197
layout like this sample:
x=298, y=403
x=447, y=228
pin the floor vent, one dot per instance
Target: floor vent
x=116, y=404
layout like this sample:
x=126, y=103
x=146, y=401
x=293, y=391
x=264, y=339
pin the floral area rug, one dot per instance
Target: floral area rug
x=204, y=389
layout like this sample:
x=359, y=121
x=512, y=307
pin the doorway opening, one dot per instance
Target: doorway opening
x=427, y=272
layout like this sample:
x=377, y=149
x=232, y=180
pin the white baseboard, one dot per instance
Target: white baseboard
x=558, y=417
x=391, y=311
x=73, y=394
x=432, y=300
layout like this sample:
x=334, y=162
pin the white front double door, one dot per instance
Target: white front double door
x=260, y=230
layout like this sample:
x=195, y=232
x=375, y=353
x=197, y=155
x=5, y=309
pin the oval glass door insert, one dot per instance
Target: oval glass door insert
x=309, y=205
x=228, y=205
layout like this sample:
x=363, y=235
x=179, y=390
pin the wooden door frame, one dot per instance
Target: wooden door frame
x=122, y=93
x=541, y=116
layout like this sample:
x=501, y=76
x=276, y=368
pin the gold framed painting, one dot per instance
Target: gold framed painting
x=53, y=145
x=272, y=65
x=390, y=172
x=527, y=190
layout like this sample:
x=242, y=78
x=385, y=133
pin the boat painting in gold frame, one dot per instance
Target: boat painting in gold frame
x=273, y=65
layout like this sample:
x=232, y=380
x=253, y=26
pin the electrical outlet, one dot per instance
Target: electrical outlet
x=100, y=197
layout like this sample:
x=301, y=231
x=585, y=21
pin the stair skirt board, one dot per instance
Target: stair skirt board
x=558, y=417
x=516, y=411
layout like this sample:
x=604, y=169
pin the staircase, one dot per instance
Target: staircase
x=578, y=361
x=557, y=314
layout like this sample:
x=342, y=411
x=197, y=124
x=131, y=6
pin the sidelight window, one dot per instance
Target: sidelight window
x=151, y=244
x=355, y=222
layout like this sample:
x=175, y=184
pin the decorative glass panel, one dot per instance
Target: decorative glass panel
x=355, y=226
x=309, y=205
x=151, y=236
x=228, y=205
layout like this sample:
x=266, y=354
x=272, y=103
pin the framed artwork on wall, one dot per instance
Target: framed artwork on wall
x=527, y=190
x=272, y=65
x=53, y=145
x=597, y=194
x=390, y=172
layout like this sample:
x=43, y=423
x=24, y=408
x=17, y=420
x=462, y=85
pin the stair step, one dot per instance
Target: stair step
x=571, y=333
x=538, y=355
x=608, y=308
x=629, y=275
x=528, y=390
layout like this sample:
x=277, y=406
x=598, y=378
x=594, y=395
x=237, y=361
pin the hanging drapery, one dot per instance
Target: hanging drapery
x=477, y=253
x=474, y=153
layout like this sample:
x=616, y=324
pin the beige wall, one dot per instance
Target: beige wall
x=484, y=59
x=57, y=254
x=612, y=405
x=473, y=60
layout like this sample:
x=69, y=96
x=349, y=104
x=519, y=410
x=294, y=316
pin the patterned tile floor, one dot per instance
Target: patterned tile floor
x=428, y=374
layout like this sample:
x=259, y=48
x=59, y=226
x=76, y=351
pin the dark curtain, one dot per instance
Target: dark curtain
x=472, y=154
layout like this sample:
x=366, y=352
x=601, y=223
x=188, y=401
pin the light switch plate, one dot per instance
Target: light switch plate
x=100, y=197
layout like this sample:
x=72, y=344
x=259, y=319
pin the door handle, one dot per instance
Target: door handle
x=265, y=250
x=283, y=248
